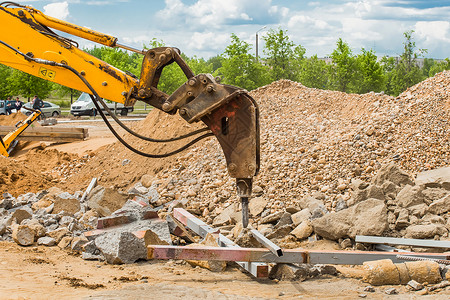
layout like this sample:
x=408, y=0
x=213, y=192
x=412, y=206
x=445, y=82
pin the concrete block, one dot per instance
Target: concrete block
x=23, y=235
x=46, y=241
x=121, y=247
x=67, y=203
x=113, y=221
x=22, y=213
x=58, y=234
x=65, y=242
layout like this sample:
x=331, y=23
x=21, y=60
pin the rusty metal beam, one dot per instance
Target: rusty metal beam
x=257, y=269
x=289, y=255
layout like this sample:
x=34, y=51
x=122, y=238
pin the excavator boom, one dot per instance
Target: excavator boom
x=27, y=43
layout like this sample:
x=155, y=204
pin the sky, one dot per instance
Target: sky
x=203, y=27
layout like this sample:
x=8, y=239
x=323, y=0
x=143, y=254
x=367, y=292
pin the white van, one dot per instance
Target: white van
x=85, y=107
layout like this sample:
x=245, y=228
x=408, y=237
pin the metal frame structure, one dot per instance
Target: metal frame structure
x=257, y=269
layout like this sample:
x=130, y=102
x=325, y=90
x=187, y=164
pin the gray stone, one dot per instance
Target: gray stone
x=280, y=232
x=36, y=226
x=66, y=220
x=22, y=213
x=6, y=203
x=303, y=230
x=58, y=234
x=46, y=241
x=23, y=235
x=152, y=195
x=90, y=256
x=138, y=189
x=284, y=220
x=121, y=247
x=393, y=174
x=301, y=216
x=354, y=221
x=441, y=175
x=340, y=205
x=310, y=202
x=134, y=210
x=318, y=212
x=425, y=231
x=105, y=200
x=257, y=205
x=440, y=206
x=410, y=196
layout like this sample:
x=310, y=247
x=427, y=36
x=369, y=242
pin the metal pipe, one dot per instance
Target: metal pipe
x=266, y=242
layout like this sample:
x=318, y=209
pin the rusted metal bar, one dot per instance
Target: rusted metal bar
x=266, y=242
x=401, y=241
x=259, y=270
x=289, y=255
x=415, y=258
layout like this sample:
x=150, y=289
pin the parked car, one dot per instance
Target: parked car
x=4, y=103
x=2, y=107
x=85, y=107
x=48, y=110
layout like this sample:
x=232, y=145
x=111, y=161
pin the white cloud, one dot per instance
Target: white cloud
x=209, y=40
x=433, y=31
x=59, y=10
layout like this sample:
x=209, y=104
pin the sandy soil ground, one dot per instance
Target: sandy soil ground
x=50, y=273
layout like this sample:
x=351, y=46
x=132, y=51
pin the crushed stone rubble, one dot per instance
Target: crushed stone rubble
x=330, y=162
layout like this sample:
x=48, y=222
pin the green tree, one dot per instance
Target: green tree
x=369, y=73
x=314, y=73
x=21, y=83
x=215, y=61
x=240, y=68
x=281, y=54
x=4, y=85
x=439, y=67
x=406, y=72
x=343, y=68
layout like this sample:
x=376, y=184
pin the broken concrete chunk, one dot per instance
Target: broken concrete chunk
x=393, y=174
x=23, y=235
x=22, y=213
x=303, y=230
x=410, y=196
x=353, y=221
x=440, y=206
x=256, y=205
x=46, y=241
x=440, y=175
x=65, y=242
x=67, y=203
x=121, y=247
x=272, y=218
x=425, y=231
x=284, y=220
x=58, y=234
x=105, y=200
x=301, y=216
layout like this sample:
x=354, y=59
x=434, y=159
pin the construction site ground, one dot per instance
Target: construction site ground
x=312, y=141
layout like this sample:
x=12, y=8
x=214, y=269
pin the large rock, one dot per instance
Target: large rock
x=121, y=247
x=441, y=175
x=22, y=213
x=67, y=203
x=425, y=231
x=410, y=196
x=303, y=230
x=226, y=216
x=106, y=200
x=257, y=205
x=301, y=216
x=354, y=221
x=23, y=235
x=393, y=174
x=440, y=206
x=58, y=234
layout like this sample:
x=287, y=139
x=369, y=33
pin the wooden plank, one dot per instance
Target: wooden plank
x=38, y=133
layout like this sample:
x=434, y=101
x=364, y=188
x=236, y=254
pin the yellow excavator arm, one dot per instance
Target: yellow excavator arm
x=8, y=142
x=27, y=43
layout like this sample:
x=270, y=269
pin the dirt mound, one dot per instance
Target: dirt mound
x=115, y=165
x=38, y=169
x=12, y=119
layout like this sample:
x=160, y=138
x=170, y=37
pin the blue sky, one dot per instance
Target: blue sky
x=203, y=27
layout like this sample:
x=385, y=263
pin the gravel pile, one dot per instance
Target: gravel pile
x=314, y=142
